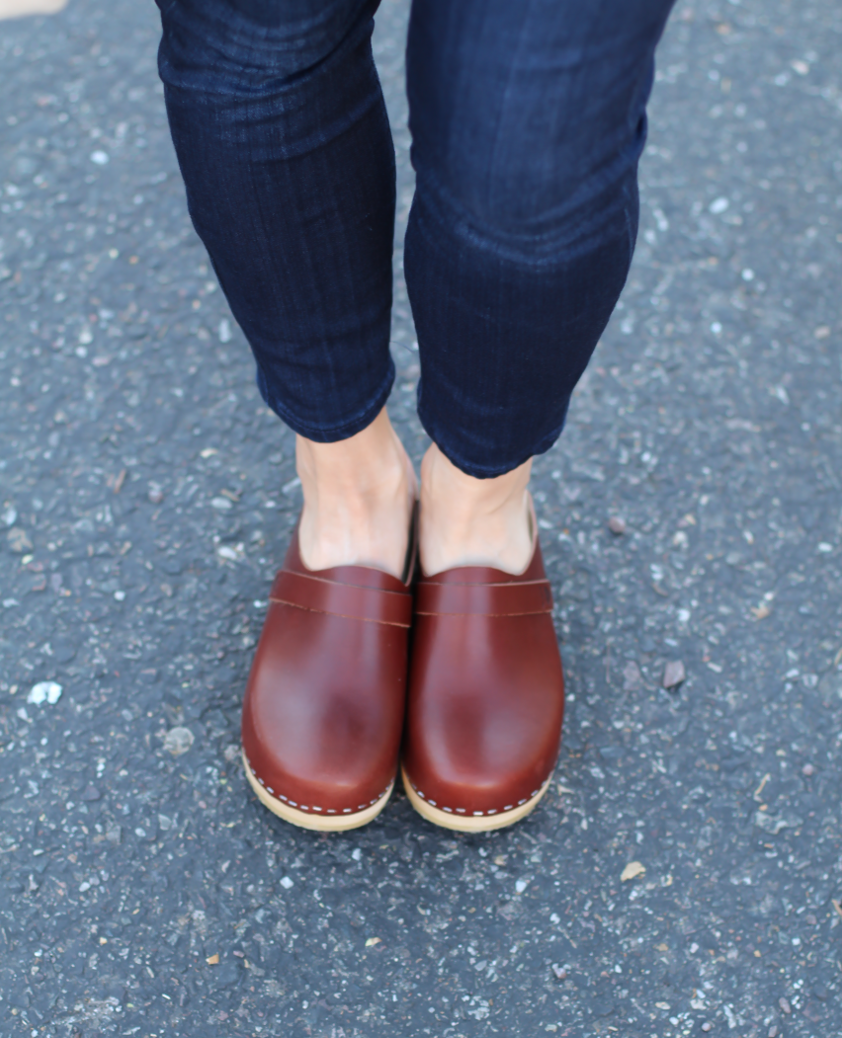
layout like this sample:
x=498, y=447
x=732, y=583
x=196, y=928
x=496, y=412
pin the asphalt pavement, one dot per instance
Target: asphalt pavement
x=683, y=874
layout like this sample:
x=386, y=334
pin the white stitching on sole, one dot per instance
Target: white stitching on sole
x=302, y=807
x=475, y=814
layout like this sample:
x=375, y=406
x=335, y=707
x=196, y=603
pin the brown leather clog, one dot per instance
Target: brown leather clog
x=486, y=696
x=324, y=704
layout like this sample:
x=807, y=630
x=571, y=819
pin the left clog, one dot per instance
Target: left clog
x=486, y=696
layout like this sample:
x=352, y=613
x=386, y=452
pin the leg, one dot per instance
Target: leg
x=282, y=137
x=358, y=499
x=281, y=133
x=528, y=121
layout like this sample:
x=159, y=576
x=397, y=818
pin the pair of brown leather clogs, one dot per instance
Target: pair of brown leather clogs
x=327, y=701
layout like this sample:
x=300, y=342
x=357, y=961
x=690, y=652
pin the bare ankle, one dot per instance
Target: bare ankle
x=468, y=521
x=358, y=497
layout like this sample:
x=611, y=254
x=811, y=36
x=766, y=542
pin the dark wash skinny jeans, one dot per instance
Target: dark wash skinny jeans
x=528, y=118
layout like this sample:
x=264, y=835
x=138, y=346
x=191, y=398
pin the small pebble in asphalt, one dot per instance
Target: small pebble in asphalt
x=808, y=770
x=773, y=1031
x=785, y=1006
x=674, y=674
x=559, y=971
x=617, y=525
x=18, y=541
x=632, y=678
x=706, y=1026
x=178, y=740
x=156, y=495
x=44, y=692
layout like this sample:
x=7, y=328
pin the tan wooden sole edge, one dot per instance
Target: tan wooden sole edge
x=469, y=823
x=321, y=823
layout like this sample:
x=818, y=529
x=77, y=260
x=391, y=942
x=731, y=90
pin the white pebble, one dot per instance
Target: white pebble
x=99, y=158
x=44, y=691
x=178, y=740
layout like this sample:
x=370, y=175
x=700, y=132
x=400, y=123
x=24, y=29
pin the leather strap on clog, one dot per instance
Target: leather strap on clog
x=376, y=605
x=504, y=598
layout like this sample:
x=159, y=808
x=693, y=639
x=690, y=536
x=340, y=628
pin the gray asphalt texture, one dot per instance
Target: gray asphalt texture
x=147, y=496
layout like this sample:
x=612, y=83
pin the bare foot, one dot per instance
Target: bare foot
x=358, y=499
x=466, y=521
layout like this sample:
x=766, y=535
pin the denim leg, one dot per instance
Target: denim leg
x=528, y=120
x=282, y=138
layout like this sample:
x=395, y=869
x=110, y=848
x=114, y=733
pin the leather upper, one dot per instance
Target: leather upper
x=324, y=703
x=486, y=691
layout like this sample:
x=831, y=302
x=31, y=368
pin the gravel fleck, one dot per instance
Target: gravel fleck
x=178, y=740
x=632, y=678
x=45, y=692
x=632, y=871
x=674, y=674
x=18, y=540
x=774, y=824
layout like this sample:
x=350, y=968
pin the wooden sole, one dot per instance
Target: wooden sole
x=471, y=823
x=308, y=820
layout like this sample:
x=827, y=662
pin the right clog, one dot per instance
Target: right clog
x=324, y=704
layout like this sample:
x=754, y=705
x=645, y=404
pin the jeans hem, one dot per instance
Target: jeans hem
x=480, y=471
x=334, y=433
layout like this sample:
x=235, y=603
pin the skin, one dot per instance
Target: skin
x=358, y=500
x=20, y=8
